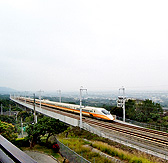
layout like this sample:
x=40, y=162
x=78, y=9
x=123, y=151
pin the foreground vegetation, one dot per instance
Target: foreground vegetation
x=8, y=131
x=89, y=146
x=83, y=148
x=82, y=141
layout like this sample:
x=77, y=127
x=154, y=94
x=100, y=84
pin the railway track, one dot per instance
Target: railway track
x=155, y=132
x=153, y=138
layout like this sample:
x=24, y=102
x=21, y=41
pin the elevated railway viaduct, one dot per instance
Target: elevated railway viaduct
x=133, y=136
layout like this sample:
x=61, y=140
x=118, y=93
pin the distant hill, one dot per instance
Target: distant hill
x=5, y=90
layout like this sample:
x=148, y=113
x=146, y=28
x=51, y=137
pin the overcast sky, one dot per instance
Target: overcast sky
x=98, y=44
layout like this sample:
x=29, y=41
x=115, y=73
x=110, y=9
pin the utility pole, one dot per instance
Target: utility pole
x=59, y=91
x=21, y=127
x=35, y=118
x=121, y=101
x=1, y=110
x=81, y=89
x=10, y=110
x=25, y=95
x=16, y=115
x=40, y=97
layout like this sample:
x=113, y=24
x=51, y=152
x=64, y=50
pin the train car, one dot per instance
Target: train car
x=99, y=113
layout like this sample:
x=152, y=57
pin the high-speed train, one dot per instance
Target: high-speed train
x=99, y=113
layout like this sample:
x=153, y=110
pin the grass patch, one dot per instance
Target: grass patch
x=122, y=155
x=122, y=152
x=77, y=145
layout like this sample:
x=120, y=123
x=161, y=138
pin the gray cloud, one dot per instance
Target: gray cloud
x=99, y=44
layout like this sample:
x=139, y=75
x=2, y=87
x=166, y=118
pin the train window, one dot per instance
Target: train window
x=105, y=112
x=84, y=110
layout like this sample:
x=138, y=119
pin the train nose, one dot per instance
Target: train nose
x=110, y=117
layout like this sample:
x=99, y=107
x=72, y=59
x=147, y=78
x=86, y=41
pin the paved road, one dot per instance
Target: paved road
x=40, y=157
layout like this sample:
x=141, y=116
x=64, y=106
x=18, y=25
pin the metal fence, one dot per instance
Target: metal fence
x=72, y=156
x=146, y=125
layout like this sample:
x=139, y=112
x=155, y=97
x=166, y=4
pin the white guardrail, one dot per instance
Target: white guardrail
x=65, y=119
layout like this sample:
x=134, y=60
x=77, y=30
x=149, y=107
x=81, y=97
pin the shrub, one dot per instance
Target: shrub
x=21, y=142
x=123, y=155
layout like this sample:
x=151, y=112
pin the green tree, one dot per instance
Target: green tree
x=23, y=114
x=7, y=103
x=143, y=111
x=33, y=134
x=8, y=119
x=130, y=109
x=8, y=131
x=29, y=119
x=51, y=126
x=117, y=111
x=45, y=126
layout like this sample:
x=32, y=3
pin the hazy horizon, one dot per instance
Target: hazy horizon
x=112, y=91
